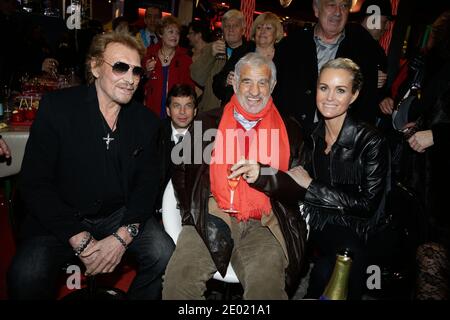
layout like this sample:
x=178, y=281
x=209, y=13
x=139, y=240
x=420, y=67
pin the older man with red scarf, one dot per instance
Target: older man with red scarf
x=256, y=227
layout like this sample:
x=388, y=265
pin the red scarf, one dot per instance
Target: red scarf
x=260, y=139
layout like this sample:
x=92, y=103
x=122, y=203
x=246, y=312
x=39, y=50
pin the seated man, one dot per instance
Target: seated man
x=89, y=179
x=258, y=230
x=181, y=107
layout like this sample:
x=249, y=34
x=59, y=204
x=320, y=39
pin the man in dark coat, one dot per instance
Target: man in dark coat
x=227, y=216
x=302, y=54
x=89, y=180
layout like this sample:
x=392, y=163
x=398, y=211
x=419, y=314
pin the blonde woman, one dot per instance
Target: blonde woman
x=344, y=173
x=267, y=31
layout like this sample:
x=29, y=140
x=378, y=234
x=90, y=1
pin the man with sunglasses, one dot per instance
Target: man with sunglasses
x=90, y=178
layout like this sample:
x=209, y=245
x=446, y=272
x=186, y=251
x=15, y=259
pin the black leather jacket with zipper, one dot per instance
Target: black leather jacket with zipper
x=360, y=179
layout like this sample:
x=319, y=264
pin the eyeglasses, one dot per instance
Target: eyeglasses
x=120, y=68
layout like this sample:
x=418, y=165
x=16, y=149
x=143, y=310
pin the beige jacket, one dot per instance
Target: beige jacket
x=203, y=71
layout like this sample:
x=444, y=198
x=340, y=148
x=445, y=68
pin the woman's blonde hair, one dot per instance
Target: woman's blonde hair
x=268, y=18
x=350, y=66
x=166, y=22
x=101, y=41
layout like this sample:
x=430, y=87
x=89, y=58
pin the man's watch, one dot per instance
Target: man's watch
x=132, y=229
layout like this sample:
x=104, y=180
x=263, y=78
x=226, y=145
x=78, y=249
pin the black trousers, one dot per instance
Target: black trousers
x=324, y=245
x=38, y=263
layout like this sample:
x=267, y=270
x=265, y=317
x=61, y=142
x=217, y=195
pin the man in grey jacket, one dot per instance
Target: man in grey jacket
x=208, y=63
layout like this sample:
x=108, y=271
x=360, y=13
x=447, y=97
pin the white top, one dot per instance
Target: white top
x=176, y=133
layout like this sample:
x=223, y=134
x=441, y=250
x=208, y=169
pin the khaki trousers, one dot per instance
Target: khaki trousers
x=257, y=258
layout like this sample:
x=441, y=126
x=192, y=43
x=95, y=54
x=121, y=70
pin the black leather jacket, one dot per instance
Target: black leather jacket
x=192, y=189
x=360, y=179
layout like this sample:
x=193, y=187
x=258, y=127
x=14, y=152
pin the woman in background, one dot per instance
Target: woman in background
x=267, y=30
x=167, y=64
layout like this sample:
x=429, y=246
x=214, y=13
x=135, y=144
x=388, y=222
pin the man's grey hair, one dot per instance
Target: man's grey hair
x=254, y=59
x=233, y=13
x=317, y=3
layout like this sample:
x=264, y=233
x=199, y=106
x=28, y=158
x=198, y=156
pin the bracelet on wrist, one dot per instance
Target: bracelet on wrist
x=120, y=239
x=83, y=244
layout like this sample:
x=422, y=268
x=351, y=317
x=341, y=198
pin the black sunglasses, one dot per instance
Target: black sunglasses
x=120, y=68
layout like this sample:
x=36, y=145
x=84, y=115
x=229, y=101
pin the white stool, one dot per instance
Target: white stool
x=171, y=218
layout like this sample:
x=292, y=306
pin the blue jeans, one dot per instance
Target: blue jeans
x=38, y=262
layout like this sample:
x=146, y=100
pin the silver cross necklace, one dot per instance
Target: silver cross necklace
x=108, y=138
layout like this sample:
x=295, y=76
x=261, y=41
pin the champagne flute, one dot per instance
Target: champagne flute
x=232, y=184
x=153, y=72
